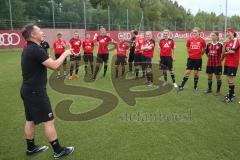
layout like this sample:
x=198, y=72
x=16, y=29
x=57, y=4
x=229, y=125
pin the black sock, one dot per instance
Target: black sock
x=56, y=146
x=173, y=77
x=130, y=66
x=195, y=81
x=165, y=75
x=77, y=68
x=96, y=72
x=149, y=75
x=144, y=69
x=116, y=72
x=92, y=68
x=219, y=84
x=144, y=74
x=30, y=144
x=231, y=90
x=123, y=70
x=185, y=79
x=85, y=67
x=209, y=84
x=105, y=70
x=137, y=72
x=71, y=70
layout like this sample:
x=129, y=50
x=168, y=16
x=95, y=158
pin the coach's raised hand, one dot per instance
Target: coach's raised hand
x=55, y=64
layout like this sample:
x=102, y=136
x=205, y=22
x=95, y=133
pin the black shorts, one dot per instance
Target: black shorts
x=37, y=105
x=102, y=58
x=194, y=64
x=217, y=70
x=75, y=58
x=146, y=61
x=121, y=60
x=88, y=57
x=230, y=71
x=58, y=55
x=166, y=62
x=131, y=55
x=137, y=59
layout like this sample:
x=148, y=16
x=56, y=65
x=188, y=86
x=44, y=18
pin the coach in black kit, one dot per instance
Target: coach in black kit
x=134, y=33
x=45, y=45
x=34, y=63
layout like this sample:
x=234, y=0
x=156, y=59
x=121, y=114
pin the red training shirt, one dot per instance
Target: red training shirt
x=75, y=44
x=214, y=53
x=103, y=42
x=232, y=60
x=122, y=48
x=196, y=47
x=138, y=45
x=166, y=47
x=88, y=46
x=59, y=46
x=148, y=53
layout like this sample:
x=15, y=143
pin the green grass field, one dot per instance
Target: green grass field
x=212, y=132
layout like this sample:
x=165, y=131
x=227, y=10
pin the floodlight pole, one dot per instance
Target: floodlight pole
x=127, y=20
x=53, y=13
x=142, y=22
x=10, y=13
x=85, y=21
x=109, y=18
x=226, y=17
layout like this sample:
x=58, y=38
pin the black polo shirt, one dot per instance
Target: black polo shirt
x=45, y=45
x=33, y=71
x=132, y=49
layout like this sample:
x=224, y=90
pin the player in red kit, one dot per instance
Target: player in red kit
x=75, y=45
x=214, y=63
x=167, y=56
x=59, y=46
x=88, y=46
x=122, y=47
x=138, y=55
x=147, y=48
x=195, y=47
x=103, y=52
x=231, y=56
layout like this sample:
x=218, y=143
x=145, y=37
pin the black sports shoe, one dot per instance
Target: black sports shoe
x=66, y=151
x=228, y=96
x=228, y=100
x=36, y=149
x=208, y=91
x=180, y=88
x=58, y=76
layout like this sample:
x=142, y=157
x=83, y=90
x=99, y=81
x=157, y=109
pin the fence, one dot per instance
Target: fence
x=14, y=39
x=173, y=26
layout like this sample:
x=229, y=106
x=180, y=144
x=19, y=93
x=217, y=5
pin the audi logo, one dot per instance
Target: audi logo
x=178, y=35
x=125, y=34
x=7, y=39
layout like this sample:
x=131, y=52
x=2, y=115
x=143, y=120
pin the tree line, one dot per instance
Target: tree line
x=118, y=14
